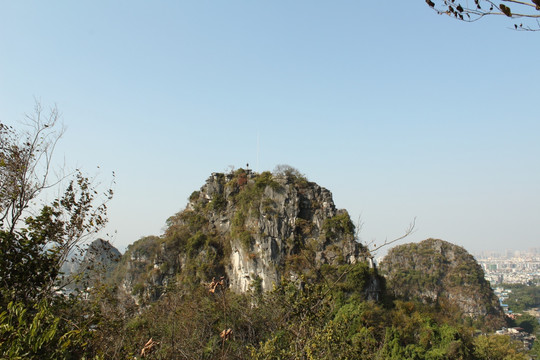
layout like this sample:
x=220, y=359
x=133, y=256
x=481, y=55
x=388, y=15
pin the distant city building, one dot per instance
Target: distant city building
x=511, y=267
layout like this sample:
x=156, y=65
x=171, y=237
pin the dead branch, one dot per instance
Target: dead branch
x=387, y=242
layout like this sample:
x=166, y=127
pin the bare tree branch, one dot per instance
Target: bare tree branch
x=26, y=163
x=387, y=242
x=358, y=228
x=476, y=9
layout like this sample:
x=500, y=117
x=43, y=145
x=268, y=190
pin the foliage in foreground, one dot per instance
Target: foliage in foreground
x=329, y=319
x=35, y=321
x=39, y=332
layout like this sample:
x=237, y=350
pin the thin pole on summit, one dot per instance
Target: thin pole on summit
x=257, y=163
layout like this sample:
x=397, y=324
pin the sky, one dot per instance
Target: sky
x=401, y=113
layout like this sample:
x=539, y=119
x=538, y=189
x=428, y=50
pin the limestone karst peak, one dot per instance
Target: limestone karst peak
x=253, y=228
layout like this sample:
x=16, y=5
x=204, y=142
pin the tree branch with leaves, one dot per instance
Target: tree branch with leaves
x=528, y=12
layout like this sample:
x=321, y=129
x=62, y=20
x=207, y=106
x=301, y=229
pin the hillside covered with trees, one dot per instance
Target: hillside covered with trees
x=445, y=275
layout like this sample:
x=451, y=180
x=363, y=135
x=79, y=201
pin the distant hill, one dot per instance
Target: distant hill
x=100, y=258
x=440, y=273
x=100, y=255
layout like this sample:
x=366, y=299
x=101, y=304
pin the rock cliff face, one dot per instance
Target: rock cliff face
x=438, y=272
x=287, y=216
x=100, y=255
x=251, y=228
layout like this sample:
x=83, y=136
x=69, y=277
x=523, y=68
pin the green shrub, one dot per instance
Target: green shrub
x=218, y=202
x=194, y=243
x=339, y=224
x=266, y=179
x=138, y=289
x=245, y=239
x=195, y=221
x=256, y=285
x=37, y=333
x=194, y=195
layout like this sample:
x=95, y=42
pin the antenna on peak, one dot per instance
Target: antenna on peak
x=257, y=164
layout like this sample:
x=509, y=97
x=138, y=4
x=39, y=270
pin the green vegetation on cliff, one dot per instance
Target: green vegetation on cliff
x=247, y=227
x=445, y=275
x=329, y=319
x=326, y=305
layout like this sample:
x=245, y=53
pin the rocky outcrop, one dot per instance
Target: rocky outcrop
x=437, y=272
x=100, y=258
x=100, y=254
x=251, y=228
x=284, y=216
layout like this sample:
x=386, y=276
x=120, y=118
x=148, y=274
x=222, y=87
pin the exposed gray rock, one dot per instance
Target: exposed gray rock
x=252, y=228
x=285, y=218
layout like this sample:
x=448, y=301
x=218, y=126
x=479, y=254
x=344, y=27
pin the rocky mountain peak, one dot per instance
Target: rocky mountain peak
x=101, y=251
x=253, y=228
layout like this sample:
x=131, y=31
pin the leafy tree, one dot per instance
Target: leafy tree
x=38, y=333
x=495, y=347
x=535, y=351
x=529, y=323
x=523, y=297
x=292, y=174
x=474, y=10
x=35, y=240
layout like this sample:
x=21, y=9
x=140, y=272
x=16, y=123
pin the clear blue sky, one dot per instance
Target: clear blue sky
x=401, y=113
